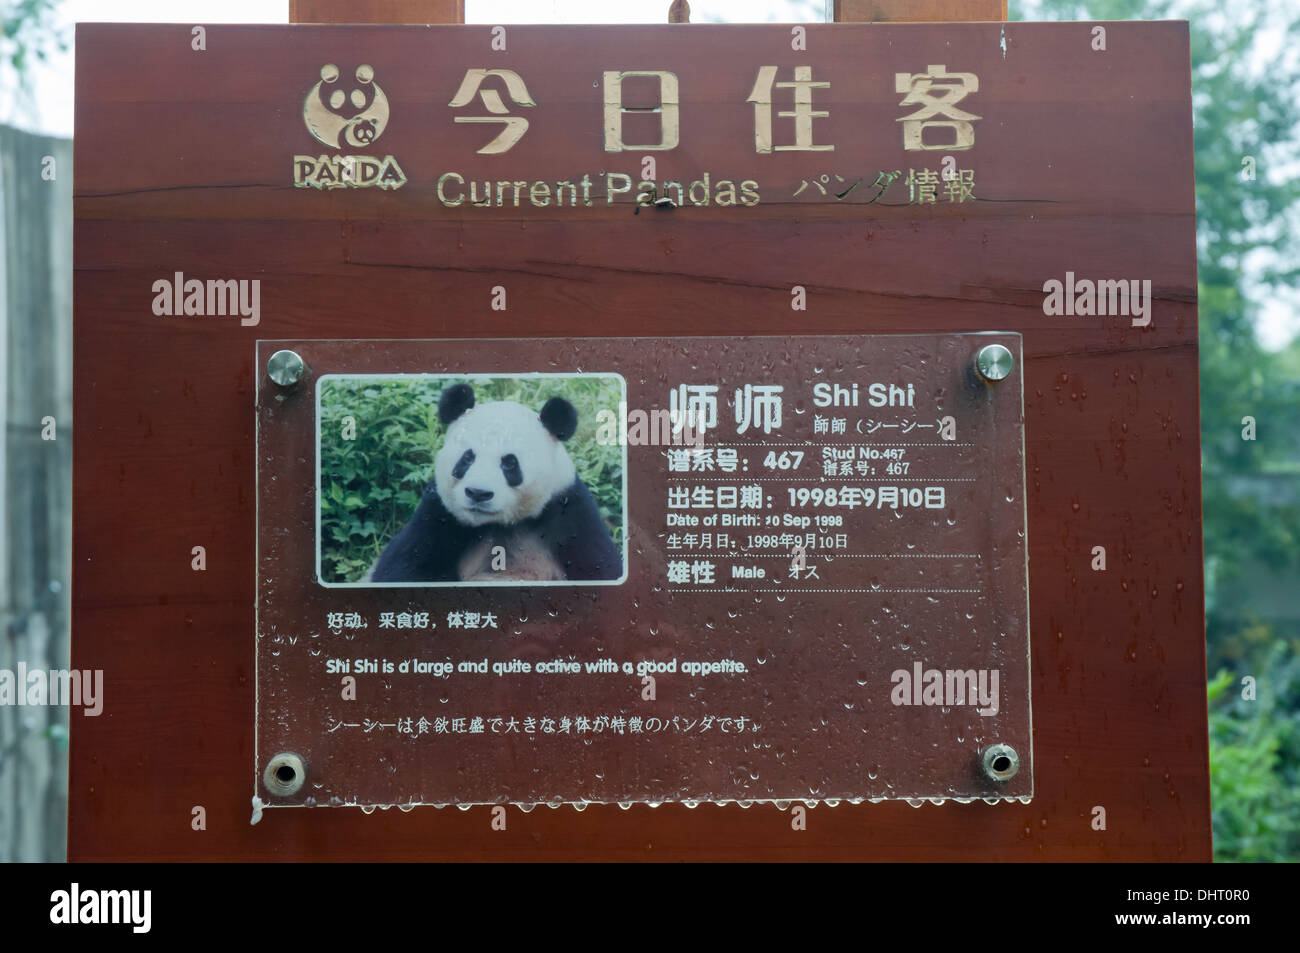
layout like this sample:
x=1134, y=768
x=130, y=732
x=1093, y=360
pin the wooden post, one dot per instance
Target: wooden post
x=376, y=11
x=919, y=11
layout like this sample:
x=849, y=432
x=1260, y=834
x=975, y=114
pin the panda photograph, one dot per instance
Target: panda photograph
x=440, y=480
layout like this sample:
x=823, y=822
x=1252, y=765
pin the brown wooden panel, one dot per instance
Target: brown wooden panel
x=919, y=11
x=1083, y=163
x=376, y=11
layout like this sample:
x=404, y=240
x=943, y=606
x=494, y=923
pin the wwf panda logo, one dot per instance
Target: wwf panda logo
x=353, y=118
x=505, y=503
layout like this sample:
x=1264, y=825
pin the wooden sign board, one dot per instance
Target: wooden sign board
x=304, y=184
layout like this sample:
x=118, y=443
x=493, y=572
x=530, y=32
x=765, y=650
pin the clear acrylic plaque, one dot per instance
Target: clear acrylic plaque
x=821, y=595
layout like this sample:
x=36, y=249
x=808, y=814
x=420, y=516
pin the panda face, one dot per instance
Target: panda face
x=500, y=464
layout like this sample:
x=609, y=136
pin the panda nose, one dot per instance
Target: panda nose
x=478, y=496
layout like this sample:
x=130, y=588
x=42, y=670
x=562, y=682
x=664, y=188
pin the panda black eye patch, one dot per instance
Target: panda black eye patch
x=463, y=464
x=510, y=467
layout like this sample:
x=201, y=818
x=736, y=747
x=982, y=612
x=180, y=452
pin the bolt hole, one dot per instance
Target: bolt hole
x=284, y=774
x=1001, y=763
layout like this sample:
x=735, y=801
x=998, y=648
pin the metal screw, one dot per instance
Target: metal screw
x=285, y=368
x=994, y=362
x=1001, y=762
x=284, y=774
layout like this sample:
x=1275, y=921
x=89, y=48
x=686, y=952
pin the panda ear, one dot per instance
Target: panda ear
x=455, y=400
x=559, y=417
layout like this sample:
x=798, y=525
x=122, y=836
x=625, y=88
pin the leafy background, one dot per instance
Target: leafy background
x=370, y=485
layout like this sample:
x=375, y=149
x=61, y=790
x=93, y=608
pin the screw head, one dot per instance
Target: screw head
x=285, y=368
x=994, y=362
x=1001, y=763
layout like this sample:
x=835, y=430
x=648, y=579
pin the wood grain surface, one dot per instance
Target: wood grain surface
x=377, y=11
x=918, y=11
x=1082, y=163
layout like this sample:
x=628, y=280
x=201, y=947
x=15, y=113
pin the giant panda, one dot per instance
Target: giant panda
x=502, y=478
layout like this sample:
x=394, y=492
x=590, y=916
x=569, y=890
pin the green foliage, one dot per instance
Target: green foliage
x=26, y=30
x=1254, y=753
x=27, y=35
x=371, y=484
